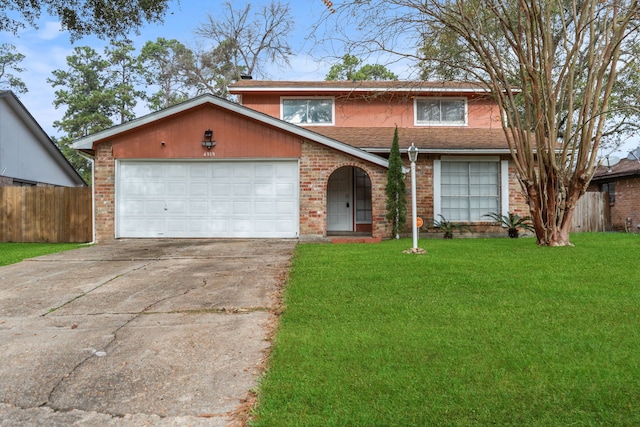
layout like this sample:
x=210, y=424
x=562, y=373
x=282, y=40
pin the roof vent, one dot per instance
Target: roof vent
x=245, y=77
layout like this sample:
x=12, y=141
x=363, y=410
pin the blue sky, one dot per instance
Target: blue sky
x=47, y=48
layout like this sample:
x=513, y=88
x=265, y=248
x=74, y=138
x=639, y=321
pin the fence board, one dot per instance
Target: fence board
x=591, y=212
x=45, y=214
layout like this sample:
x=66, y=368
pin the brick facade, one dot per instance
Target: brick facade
x=104, y=192
x=626, y=204
x=317, y=163
x=424, y=196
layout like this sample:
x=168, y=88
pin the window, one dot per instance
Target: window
x=363, y=197
x=440, y=111
x=466, y=189
x=305, y=111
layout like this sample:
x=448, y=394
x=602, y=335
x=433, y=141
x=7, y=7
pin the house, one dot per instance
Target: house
x=28, y=157
x=622, y=182
x=463, y=169
x=300, y=160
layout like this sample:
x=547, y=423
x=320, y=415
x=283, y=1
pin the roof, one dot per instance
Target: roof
x=427, y=139
x=40, y=135
x=247, y=86
x=87, y=143
x=624, y=168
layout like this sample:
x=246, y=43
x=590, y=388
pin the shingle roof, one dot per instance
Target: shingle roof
x=625, y=168
x=428, y=139
x=348, y=86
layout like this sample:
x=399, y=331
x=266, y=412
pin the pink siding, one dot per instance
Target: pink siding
x=386, y=110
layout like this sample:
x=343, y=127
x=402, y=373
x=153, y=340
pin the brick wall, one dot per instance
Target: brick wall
x=627, y=204
x=424, y=195
x=104, y=188
x=317, y=163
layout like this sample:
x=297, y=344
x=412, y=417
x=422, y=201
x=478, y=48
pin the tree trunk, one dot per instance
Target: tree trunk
x=552, y=213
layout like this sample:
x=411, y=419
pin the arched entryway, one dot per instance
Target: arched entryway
x=349, y=201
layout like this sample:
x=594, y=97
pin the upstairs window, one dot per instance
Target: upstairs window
x=441, y=111
x=308, y=111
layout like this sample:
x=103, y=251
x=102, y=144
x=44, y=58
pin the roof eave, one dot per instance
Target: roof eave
x=87, y=143
x=44, y=139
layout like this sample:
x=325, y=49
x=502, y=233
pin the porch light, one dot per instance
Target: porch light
x=413, y=153
x=413, y=156
x=208, y=139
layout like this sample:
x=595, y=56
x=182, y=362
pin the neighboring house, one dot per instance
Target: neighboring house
x=622, y=182
x=28, y=157
x=300, y=160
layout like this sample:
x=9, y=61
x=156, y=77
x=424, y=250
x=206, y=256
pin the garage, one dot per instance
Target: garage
x=207, y=199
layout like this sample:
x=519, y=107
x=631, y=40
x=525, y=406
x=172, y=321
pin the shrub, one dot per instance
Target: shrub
x=449, y=227
x=513, y=223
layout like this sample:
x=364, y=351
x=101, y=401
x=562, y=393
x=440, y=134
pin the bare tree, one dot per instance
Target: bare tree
x=242, y=43
x=552, y=66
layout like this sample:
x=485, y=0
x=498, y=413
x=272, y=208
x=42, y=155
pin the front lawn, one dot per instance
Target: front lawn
x=476, y=332
x=11, y=253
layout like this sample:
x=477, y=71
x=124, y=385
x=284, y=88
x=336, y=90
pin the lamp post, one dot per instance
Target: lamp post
x=413, y=156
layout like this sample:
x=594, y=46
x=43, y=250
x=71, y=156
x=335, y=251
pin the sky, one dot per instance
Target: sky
x=46, y=49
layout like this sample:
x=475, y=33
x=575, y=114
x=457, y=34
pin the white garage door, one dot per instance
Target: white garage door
x=207, y=199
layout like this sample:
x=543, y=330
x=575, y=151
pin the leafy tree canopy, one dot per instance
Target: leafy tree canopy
x=103, y=18
x=351, y=68
x=10, y=60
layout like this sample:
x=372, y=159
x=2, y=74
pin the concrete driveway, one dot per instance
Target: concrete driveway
x=138, y=332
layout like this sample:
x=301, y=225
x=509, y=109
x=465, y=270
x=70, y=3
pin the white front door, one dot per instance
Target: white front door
x=207, y=199
x=340, y=200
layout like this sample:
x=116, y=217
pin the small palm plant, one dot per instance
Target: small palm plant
x=513, y=222
x=449, y=227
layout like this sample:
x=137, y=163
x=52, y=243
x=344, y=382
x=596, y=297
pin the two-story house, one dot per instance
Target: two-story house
x=300, y=159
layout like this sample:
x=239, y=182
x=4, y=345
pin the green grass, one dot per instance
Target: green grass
x=11, y=253
x=476, y=332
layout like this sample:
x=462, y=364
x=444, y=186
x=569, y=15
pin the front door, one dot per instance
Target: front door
x=340, y=200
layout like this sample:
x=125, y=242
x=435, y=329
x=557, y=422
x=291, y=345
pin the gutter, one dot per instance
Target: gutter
x=464, y=151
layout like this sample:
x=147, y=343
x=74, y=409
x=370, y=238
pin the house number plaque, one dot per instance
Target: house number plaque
x=209, y=154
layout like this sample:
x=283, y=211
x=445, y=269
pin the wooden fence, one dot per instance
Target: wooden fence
x=45, y=214
x=591, y=213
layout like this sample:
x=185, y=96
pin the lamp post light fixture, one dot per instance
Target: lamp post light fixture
x=208, y=139
x=413, y=156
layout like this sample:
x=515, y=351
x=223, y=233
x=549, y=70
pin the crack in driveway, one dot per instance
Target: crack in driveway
x=130, y=345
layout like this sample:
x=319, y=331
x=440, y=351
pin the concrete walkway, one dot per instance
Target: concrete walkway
x=138, y=332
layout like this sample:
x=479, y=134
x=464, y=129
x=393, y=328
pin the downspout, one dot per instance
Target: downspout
x=93, y=196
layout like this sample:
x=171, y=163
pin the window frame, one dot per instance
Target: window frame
x=416, y=100
x=310, y=98
x=503, y=183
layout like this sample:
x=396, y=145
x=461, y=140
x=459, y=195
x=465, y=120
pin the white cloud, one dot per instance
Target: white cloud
x=50, y=30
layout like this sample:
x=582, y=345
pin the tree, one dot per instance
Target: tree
x=106, y=19
x=243, y=43
x=396, y=190
x=166, y=63
x=9, y=60
x=89, y=105
x=552, y=66
x=348, y=70
x=125, y=75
